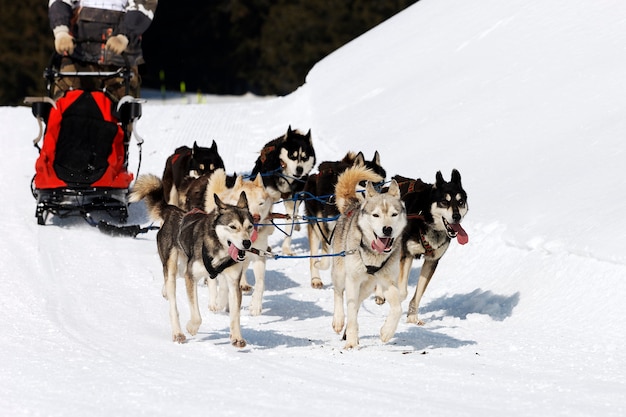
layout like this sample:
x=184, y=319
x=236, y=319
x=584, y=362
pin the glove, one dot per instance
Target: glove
x=63, y=41
x=117, y=44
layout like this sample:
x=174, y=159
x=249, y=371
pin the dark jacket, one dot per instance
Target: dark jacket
x=92, y=26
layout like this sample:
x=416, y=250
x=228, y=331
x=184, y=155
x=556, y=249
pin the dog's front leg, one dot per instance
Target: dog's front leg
x=170, y=270
x=428, y=269
x=403, y=279
x=212, y=286
x=314, y=261
x=395, y=312
x=353, y=303
x=291, y=209
x=192, y=295
x=232, y=276
x=258, y=267
x=338, y=277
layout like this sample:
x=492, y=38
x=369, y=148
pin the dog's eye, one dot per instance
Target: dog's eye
x=394, y=214
x=461, y=203
x=375, y=215
x=233, y=227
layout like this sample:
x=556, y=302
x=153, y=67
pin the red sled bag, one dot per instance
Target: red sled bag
x=83, y=145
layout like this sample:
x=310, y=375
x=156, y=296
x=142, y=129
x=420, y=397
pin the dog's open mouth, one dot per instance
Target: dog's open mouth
x=455, y=230
x=382, y=244
x=237, y=254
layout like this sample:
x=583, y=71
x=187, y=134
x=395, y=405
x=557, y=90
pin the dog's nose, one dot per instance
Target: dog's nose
x=299, y=171
x=247, y=244
x=456, y=216
x=387, y=230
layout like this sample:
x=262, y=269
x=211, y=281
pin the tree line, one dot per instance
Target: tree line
x=218, y=47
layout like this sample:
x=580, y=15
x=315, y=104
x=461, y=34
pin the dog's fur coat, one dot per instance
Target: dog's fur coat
x=284, y=164
x=203, y=244
x=322, y=185
x=369, y=230
x=435, y=212
x=260, y=205
x=186, y=165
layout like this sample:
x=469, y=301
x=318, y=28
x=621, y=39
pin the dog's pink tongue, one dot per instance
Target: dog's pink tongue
x=255, y=235
x=233, y=252
x=381, y=243
x=461, y=234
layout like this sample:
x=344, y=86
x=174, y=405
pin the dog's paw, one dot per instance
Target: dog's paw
x=412, y=318
x=351, y=345
x=296, y=227
x=255, y=310
x=316, y=282
x=193, y=327
x=379, y=300
x=179, y=338
x=338, y=325
x=386, y=334
x=238, y=343
x=245, y=287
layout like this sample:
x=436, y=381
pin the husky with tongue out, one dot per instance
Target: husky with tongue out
x=369, y=232
x=203, y=244
x=435, y=212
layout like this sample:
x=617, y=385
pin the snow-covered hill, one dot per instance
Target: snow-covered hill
x=526, y=98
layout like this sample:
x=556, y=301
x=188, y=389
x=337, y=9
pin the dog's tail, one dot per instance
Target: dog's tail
x=149, y=187
x=215, y=185
x=346, y=188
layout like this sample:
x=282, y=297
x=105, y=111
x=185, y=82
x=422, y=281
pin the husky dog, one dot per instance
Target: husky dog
x=322, y=185
x=203, y=244
x=435, y=212
x=369, y=230
x=184, y=166
x=260, y=205
x=285, y=163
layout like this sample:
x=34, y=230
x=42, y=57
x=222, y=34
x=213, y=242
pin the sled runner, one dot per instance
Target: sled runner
x=83, y=162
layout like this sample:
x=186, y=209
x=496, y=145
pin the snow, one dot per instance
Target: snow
x=525, y=98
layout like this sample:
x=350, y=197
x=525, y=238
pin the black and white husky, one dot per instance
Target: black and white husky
x=203, y=244
x=369, y=231
x=186, y=165
x=284, y=164
x=435, y=212
x=323, y=208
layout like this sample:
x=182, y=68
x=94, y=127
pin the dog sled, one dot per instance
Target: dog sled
x=82, y=165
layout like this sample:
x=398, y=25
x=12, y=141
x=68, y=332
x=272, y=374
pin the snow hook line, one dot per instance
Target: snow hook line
x=115, y=230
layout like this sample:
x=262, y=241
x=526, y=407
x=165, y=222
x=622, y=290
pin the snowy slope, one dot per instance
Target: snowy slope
x=525, y=98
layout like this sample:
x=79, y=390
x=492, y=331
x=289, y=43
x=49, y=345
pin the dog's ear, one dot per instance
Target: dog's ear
x=439, y=180
x=456, y=177
x=214, y=146
x=359, y=159
x=218, y=203
x=195, y=148
x=394, y=189
x=243, y=200
x=376, y=159
x=370, y=190
x=238, y=182
x=258, y=181
x=308, y=137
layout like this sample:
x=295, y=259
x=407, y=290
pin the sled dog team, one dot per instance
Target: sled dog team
x=215, y=226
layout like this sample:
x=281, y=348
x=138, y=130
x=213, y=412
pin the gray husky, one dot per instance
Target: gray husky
x=369, y=231
x=203, y=244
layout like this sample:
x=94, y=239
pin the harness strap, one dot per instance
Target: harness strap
x=372, y=269
x=430, y=251
x=208, y=263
